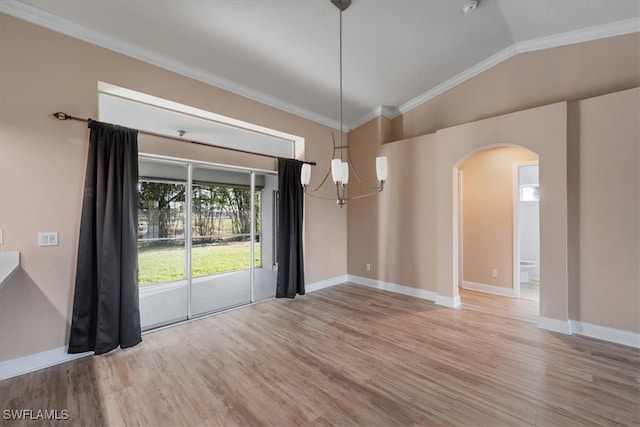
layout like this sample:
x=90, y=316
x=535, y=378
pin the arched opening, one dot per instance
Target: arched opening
x=498, y=233
x=543, y=131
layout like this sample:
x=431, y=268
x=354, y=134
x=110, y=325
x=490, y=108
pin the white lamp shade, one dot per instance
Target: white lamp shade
x=305, y=174
x=381, y=168
x=345, y=173
x=336, y=170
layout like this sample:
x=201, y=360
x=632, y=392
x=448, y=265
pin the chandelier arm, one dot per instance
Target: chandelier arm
x=322, y=183
x=362, y=196
x=333, y=199
x=355, y=171
x=315, y=196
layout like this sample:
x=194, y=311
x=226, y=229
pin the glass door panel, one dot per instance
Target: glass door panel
x=162, y=274
x=206, y=239
x=221, y=239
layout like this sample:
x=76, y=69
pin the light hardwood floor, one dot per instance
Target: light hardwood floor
x=348, y=355
x=530, y=291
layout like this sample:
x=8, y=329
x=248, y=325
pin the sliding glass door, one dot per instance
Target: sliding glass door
x=162, y=241
x=225, y=258
x=221, y=239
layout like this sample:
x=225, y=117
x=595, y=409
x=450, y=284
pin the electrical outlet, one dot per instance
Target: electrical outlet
x=367, y=267
x=494, y=272
x=48, y=238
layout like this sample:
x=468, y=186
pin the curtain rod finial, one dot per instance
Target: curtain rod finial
x=61, y=116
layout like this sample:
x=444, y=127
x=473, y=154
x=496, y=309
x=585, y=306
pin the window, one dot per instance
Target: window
x=221, y=229
x=161, y=232
x=529, y=193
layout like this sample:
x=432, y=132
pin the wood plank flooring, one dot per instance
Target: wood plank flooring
x=530, y=291
x=351, y=356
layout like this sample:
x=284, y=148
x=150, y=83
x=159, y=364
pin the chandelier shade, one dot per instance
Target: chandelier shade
x=305, y=174
x=381, y=168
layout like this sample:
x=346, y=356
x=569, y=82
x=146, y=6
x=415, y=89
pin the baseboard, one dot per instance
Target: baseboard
x=554, y=325
x=393, y=287
x=451, y=302
x=618, y=336
x=489, y=289
x=316, y=286
x=34, y=362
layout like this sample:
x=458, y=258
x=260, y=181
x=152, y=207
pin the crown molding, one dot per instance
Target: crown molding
x=41, y=18
x=563, y=39
x=603, y=31
x=382, y=110
x=44, y=19
x=389, y=111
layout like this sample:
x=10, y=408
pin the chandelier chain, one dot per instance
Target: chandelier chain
x=341, y=125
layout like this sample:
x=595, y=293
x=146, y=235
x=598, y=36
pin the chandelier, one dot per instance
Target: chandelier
x=339, y=169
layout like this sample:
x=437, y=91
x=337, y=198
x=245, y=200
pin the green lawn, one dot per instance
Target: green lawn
x=158, y=264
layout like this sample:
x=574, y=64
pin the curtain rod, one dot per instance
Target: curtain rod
x=64, y=116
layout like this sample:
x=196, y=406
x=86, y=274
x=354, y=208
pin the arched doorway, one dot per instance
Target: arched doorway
x=541, y=130
x=491, y=237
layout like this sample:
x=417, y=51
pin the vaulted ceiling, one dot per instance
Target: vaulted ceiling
x=397, y=53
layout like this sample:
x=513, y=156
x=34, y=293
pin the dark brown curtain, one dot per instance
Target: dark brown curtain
x=290, y=210
x=105, y=306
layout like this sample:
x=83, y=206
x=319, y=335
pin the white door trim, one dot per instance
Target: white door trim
x=516, y=218
x=460, y=228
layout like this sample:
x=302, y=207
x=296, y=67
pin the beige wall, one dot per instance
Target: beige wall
x=42, y=165
x=395, y=231
x=408, y=230
x=566, y=73
x=609, y=211
x=589, y=209
x=589, y=161
x=487, y=215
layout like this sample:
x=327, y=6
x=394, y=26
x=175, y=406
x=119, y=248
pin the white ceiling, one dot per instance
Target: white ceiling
x=397, y=53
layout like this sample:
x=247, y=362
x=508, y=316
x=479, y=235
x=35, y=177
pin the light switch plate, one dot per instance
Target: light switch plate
x=48, y=238
x=1, y=236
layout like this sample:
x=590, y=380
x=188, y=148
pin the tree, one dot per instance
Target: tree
x=157, y=200
x=209, y=204
x=240, y=209
x=204, y=211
